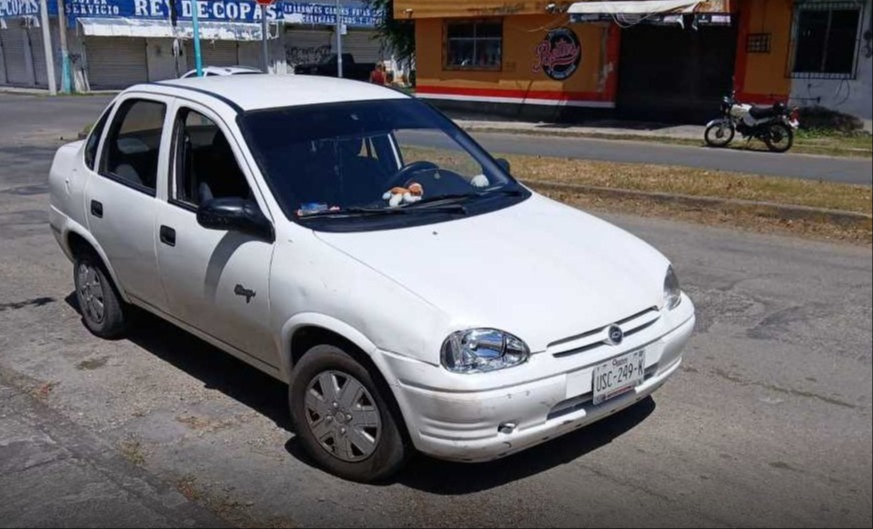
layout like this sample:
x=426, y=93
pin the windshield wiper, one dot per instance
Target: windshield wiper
x=378, y=212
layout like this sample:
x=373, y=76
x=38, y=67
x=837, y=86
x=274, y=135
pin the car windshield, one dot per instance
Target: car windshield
x=371, y=158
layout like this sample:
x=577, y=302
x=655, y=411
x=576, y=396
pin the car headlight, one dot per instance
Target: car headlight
x=672, y=290
x=483, y=350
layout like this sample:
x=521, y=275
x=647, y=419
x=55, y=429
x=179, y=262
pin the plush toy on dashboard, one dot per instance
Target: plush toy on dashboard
x=404, y=195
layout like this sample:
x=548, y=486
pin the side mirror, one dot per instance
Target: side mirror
x=235, y=214
x=505, y=165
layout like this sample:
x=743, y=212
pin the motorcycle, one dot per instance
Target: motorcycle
x=774, y=125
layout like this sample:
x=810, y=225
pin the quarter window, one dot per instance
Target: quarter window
x=826, y=40
x=134, y=143
x=474, y=45
x=94, y=139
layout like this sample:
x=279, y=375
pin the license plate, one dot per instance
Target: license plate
x=619, y=375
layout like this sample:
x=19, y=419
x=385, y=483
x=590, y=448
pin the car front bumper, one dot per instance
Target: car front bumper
x=476, y=426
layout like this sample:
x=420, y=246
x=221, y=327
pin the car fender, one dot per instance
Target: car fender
x=70, y=227
x=329, y=323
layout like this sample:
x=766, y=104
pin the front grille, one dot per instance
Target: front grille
x=581, y=402
x=596, y=338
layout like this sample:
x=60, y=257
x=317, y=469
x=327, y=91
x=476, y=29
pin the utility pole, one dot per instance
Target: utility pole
x=339, y=41
x=47, y=44
x=195, y=23
x=66, y=82
x=265, y=47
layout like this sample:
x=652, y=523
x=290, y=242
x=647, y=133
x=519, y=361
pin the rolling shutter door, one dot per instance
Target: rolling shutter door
x=38, y=54
x=36, y=44
x=363, y=46
x=2, y=60
x=116, y=62
x=215, y=53
x=14, y=55
x=307, y=46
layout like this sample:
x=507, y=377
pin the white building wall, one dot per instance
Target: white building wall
x=849, y=96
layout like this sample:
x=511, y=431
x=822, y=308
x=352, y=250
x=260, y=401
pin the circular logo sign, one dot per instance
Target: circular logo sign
x=616, y=335
x=559, y=54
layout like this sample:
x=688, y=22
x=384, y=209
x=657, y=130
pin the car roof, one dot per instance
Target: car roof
x=255, y=92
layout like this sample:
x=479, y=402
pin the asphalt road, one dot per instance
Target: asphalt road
x=768, y=424
x=67, y=116
x=844, y=170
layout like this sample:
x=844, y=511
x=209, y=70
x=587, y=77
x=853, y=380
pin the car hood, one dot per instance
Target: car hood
x=540, y=270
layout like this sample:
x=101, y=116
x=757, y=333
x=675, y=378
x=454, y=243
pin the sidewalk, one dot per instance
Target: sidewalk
x=56, y=474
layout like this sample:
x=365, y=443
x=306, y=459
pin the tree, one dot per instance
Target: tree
x=399, y=34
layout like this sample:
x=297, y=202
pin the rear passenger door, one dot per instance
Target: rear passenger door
x=120, y=195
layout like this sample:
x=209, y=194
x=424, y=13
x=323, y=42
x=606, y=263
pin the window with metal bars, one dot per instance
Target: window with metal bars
x=826, y=40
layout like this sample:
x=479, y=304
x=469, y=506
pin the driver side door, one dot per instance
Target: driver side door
x=217, y=281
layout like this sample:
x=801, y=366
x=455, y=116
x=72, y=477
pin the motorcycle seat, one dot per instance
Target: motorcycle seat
x=761, y=112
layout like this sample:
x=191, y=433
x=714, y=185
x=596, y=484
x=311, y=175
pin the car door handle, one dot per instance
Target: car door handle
x=97, y=209
x=168, y=236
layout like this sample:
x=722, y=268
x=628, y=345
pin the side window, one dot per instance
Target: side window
x=205, y=166
x=94, y=139
x=134, y=144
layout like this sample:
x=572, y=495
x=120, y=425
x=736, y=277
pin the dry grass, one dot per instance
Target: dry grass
x=132, y=450
x=695, y=182
x=698, y=183
x=737, y=218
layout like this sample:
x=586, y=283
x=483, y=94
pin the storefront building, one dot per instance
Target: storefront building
x=116, y=43
x=669, y=60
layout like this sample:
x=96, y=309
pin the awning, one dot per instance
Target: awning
x=654, y=12
x=128, y=27
x=638, y=7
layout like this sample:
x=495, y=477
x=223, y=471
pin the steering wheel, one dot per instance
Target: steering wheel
x=401, y=177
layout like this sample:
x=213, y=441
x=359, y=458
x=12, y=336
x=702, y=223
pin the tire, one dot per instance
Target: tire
x=364, y=447
x=713, y=131
x=779, y=137
x=103, y=311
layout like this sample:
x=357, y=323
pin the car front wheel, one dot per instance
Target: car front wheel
x=342, y=417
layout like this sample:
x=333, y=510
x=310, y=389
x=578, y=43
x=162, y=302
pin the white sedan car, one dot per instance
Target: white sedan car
x=220, y=71
x=352, y=241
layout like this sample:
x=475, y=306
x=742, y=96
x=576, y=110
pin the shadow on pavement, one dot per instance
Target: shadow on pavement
x=268, y=396
x=215, y=368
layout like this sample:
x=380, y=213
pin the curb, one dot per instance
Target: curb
x=762, y=209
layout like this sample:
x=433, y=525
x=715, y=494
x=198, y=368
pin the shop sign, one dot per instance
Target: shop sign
x=354, y=15
x=18, y=8
x=559, y=54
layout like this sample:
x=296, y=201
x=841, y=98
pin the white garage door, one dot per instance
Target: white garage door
x=307, y=46
x=116, y=62
x=215, y=53
x=15, y=55
x=363, y=46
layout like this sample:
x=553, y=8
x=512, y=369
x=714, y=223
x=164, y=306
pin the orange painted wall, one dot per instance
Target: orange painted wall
x=762, y=76
x=594, y=80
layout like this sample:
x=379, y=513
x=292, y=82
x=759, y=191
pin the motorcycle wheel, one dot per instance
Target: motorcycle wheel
x=719, y=134
x=779, y=137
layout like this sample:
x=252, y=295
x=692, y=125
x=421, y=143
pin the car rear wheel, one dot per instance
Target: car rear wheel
x=342, y=417
x=101, y=307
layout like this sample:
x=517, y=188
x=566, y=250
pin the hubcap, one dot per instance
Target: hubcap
x=91, y=293
x=343, y=417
